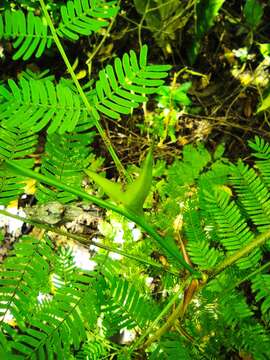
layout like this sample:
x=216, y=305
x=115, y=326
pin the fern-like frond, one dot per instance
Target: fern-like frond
x=253, y=194
x=235, y=329
x=198, y=245
x=30, y=33
x=171, y=347
x=60, y=324
x=262, y=153
x=92, y=350
x=261, y=148
x=82, y=17
x=127, y=307
x=234, y=308
x=36, y=103
x=261, y=285
x=64, y=268
x=4, y=347
x=122, y=87
x=15, y=144
x=23, y=274
x=65, y=158
x=232, y=228
x=255, y=339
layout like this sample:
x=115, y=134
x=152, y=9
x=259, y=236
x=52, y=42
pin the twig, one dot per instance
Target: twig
x=86, y=240
x=88, y=106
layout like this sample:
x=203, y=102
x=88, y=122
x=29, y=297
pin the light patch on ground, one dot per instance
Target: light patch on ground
x=82, y=258
x=128, y=336
x=13, y=225
x=136, y=234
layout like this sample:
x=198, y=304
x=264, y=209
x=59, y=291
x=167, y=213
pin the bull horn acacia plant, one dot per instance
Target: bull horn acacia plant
x=67, y=324
x=166, y=244
x=245, y=257
x=117, y=96
x=149, y=76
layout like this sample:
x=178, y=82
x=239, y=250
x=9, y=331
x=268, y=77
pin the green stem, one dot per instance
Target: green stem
x=139, y=220
x=86, y=241
x=98, y=47
x=154, y=324
x=88, y=106
x=177, y=313
x=249, y=276
x=259, y=240
x=230, y=260
x=165, y=327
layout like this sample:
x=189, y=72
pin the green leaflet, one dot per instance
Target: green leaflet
x=265, y=104
x=206, y=12
x=135, y=194
x=253, y=12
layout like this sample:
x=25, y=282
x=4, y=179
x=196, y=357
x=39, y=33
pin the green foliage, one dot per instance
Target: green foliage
x=171, y=347
x=253, y=195
x=262, y=153
x=164, y=122
x=198, y=245
x=265, y=104
x=122, y=87
x=22, y=275
x=65, y=158
x=31, y=32
x=232, y=229
x=253, y=12
x=81, y=17
x=174, y=96
x=164, y=20
x=2, y=235
x=126, y=307
x=206, y=12
x=261, y=286
x=16, y=144
x=36, y=103
x=52, y=326
x=201, y=203
x=92, y=350
x=211, y=216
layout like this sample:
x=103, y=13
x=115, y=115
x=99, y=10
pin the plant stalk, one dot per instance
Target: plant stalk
x=230, y=260
x=87, y=241
x=139, y=220
x=88, y=106
x=154, y=324
x=182, y=306
x=178, y=312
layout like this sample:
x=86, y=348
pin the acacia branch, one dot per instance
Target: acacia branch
x=230, y=260
x=164, y=243
x=181, y=308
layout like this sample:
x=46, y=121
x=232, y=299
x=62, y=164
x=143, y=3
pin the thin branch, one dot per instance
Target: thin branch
x=88, y=106
x=87, y=241
x=178, y=313
x=230, y=260
x=194, y=287
x=98, y=47
x=166, y=244
x=154, y=324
